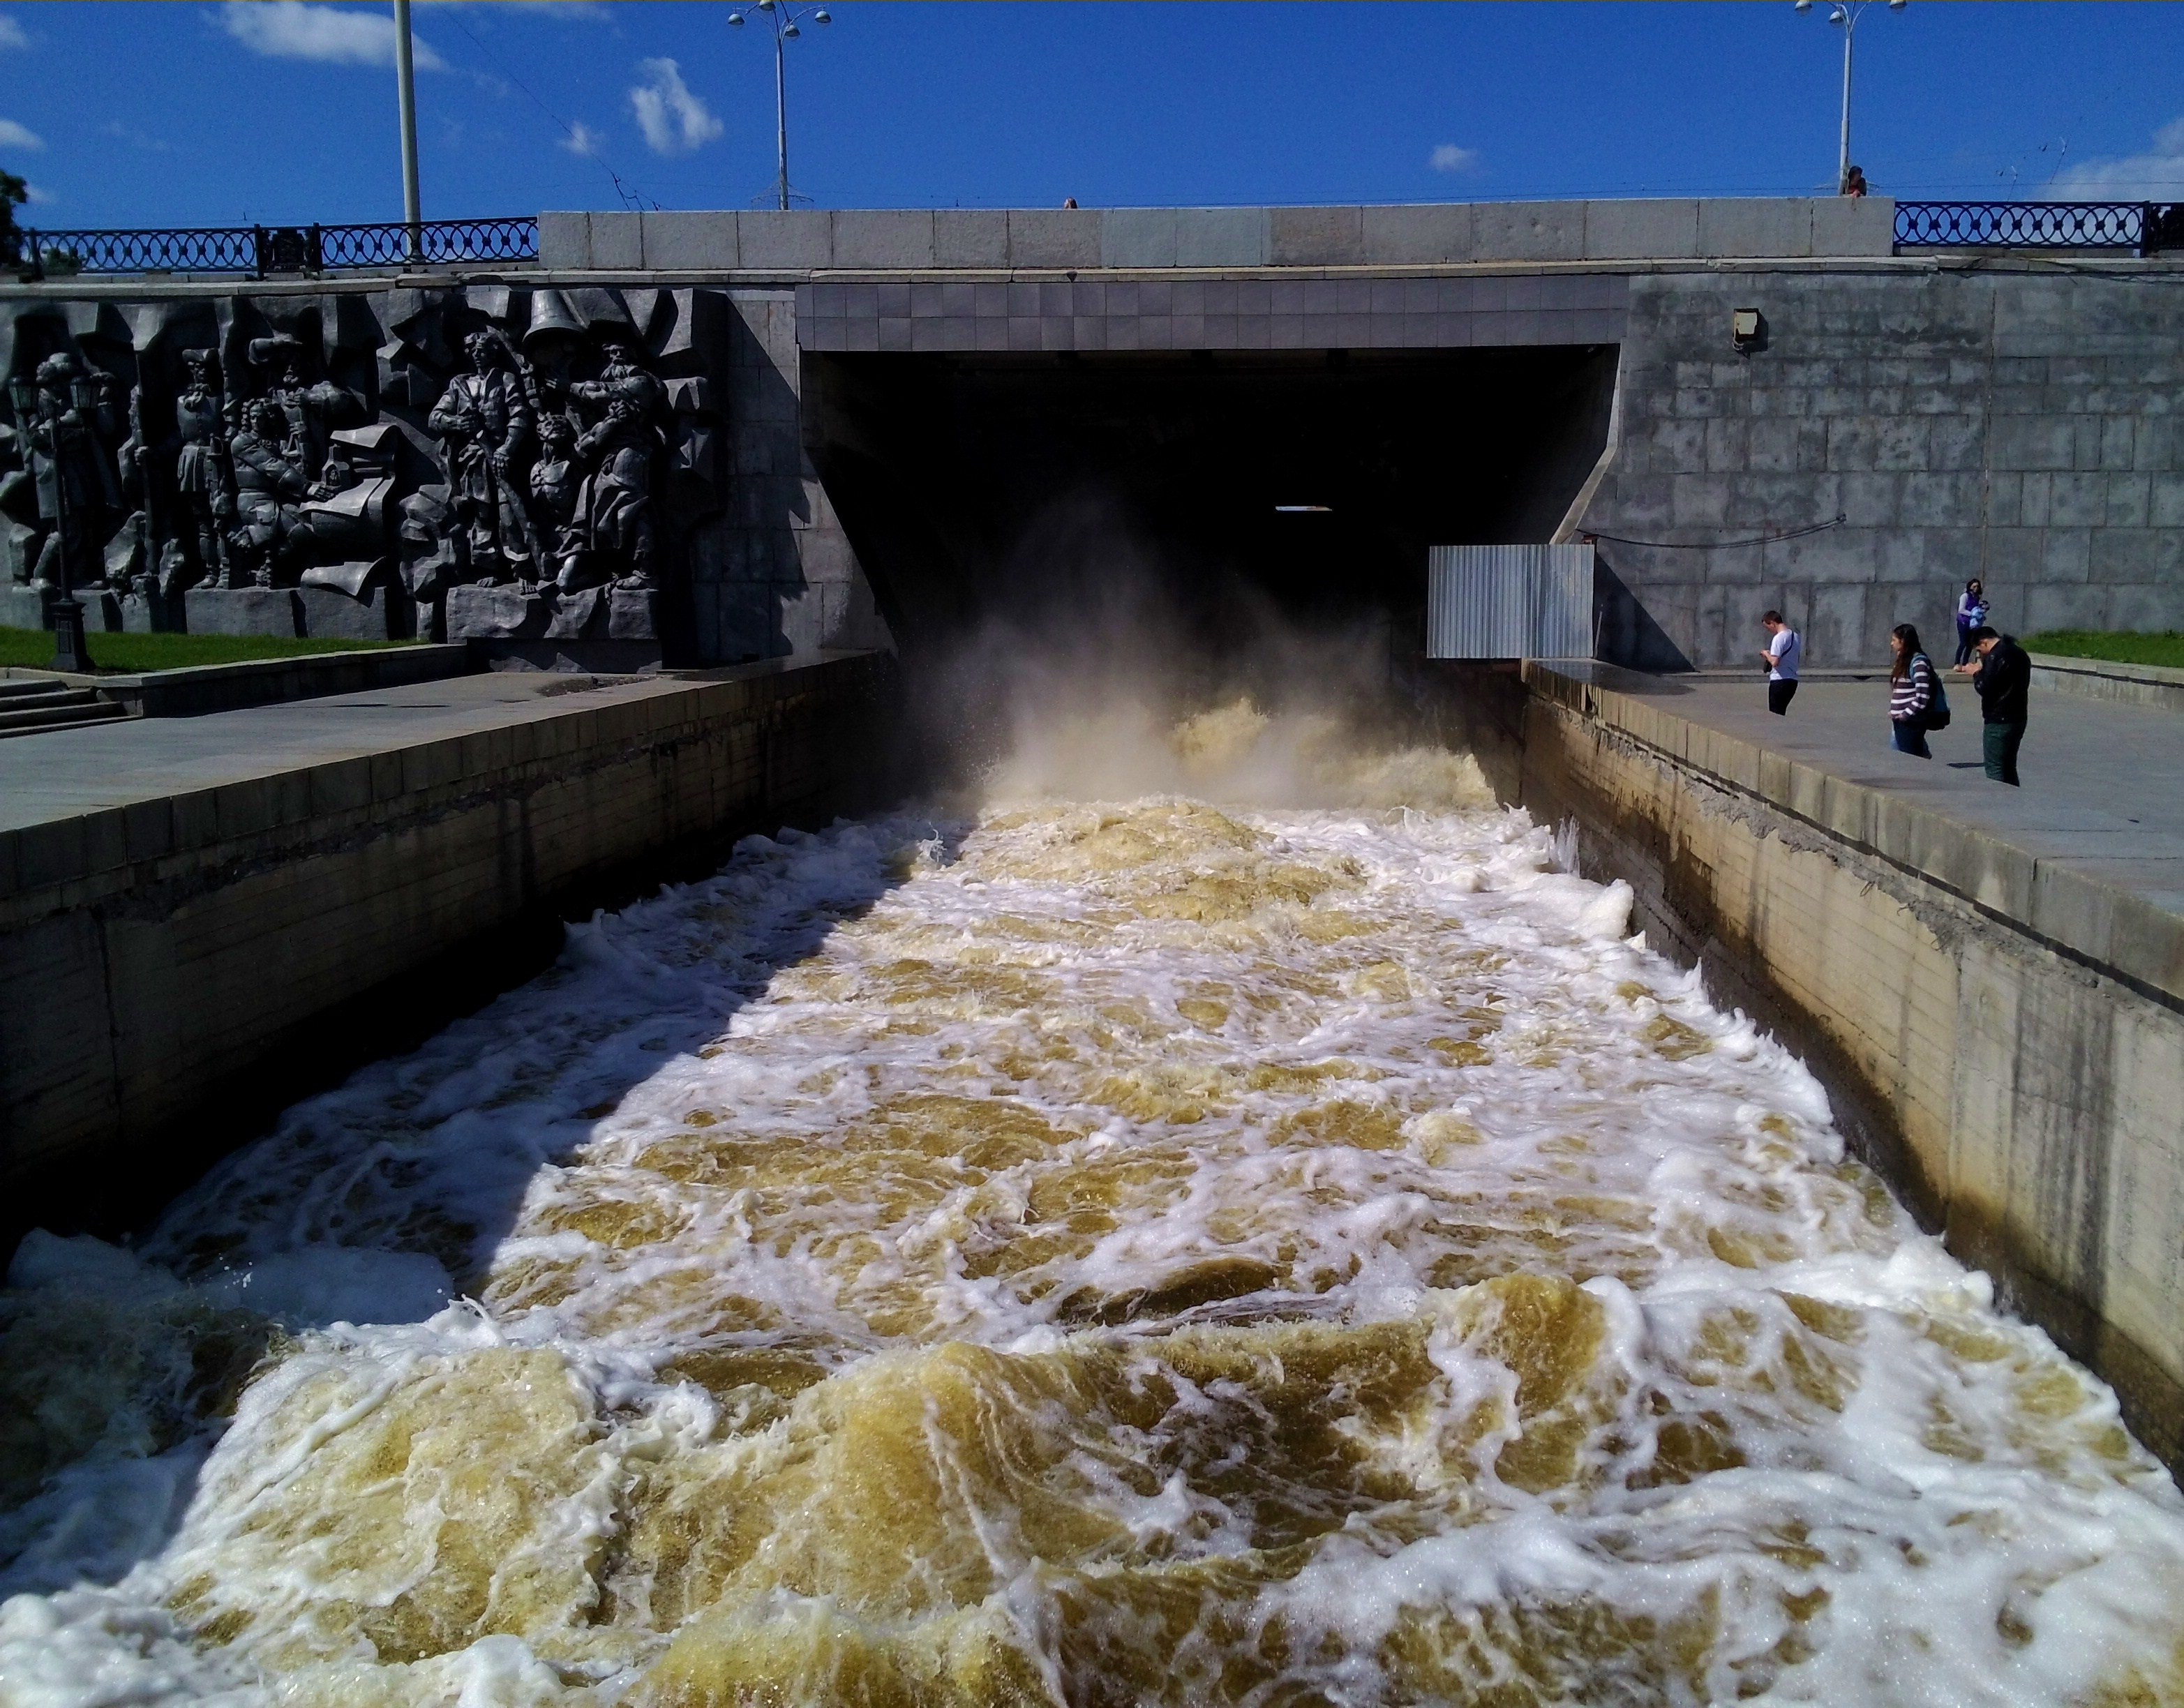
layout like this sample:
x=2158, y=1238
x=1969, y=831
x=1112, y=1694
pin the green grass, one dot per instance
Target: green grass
x=33, y=649
x=2123, y=648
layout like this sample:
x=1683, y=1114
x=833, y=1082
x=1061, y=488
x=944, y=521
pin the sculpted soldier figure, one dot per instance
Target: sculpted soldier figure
x=70, y=466
x=614, y=510
x=204, y=483
x=311, y=412
x=486, y=418
x=270, y=482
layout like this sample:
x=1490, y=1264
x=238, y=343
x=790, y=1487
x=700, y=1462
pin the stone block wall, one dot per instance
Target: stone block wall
x=776, y=578
x=2026, y=428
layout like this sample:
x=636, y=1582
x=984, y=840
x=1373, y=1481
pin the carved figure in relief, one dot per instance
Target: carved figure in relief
x=486, y=420
x=614, y=518
x=555, y=481
x=270, y=482
x=70, y=466
x=204, y=481
x=311, y=412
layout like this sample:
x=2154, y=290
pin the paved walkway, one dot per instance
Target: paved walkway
x=59, y=774
x=2102, y=784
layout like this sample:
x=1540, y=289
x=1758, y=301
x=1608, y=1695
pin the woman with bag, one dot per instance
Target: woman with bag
x=1916, y=701
x=1971, y=612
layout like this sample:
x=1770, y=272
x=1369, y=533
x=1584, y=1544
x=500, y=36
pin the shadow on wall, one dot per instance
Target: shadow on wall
x=1624, y=632
x=760, y=572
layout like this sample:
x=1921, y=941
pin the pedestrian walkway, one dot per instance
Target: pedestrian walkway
x=2102, y=784
x=62, y=773
x=2089, y=852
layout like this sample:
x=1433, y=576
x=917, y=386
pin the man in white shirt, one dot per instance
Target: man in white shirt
x=1784, y=649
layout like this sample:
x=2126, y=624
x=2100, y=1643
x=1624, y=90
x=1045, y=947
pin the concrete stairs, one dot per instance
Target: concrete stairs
x=30, y=707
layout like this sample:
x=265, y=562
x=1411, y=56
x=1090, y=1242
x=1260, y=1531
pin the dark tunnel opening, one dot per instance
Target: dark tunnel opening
x=1305, y=485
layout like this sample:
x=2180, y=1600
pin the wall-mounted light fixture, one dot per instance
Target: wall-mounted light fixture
x=1747, y=331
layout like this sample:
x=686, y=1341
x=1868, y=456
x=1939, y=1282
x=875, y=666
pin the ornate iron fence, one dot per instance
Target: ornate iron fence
x=269, y=251
x=2144, y=228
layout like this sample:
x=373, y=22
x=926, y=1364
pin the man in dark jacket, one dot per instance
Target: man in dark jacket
x=2002, y=673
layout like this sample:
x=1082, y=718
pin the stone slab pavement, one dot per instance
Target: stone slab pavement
x=64, y=773
x=2102, y=784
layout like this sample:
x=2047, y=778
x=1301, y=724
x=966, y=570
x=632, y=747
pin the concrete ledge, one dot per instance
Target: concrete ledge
x=911, y=239
x=2108, y=927
x=200, y=939
x=196, y=689
x=2151, y=685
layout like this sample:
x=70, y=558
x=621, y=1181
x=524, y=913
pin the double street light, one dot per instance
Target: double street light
x=1845, y=18
x=786, y=30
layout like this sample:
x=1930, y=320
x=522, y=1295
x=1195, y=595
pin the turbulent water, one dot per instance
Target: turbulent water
x=1140, y=1252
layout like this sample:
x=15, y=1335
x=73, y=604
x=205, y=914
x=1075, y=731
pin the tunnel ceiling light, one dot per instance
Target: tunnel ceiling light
x=1304, y=509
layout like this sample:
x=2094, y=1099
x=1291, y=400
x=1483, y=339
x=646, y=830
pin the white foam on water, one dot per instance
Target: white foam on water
x=1215, y=1253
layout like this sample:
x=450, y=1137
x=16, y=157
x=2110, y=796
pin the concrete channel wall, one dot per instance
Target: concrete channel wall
x=2002, y=1038
x=178, y=968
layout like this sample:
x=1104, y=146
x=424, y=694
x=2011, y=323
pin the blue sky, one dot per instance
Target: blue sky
x=121, y=113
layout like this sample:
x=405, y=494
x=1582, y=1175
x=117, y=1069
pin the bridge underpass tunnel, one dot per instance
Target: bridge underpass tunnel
x=1201, y=494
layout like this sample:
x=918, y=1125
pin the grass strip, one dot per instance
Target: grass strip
x=128, y=654
x=2119, y=647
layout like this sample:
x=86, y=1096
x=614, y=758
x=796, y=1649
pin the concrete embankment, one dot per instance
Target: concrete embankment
x=1991, y=982
x=202, y=918
x=2153, y=686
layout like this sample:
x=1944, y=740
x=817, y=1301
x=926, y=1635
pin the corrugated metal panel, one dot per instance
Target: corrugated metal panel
x=1509, y=601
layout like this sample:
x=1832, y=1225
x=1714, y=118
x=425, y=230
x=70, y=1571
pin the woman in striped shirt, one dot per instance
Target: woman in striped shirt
x=1912, y=686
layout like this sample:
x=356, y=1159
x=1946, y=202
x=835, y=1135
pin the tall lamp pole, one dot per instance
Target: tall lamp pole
x=406, y=87
x=785, y=31
x=36, y=409
x=1845, y=17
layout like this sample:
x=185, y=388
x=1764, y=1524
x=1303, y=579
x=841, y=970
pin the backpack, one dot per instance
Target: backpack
x=1937, y=713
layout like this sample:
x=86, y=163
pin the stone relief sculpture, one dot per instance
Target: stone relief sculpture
x=613, y=527
x=196, y=549
x=72, y=469
x=482, y=461
x=486, y=420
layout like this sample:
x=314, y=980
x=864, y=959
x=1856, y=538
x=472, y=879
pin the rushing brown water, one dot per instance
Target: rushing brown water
x=1140, y=1252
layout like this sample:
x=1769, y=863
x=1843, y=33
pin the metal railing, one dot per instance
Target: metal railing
x=263, y=252
x=2144, y=228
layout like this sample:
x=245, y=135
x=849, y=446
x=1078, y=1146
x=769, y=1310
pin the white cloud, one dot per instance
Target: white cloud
x=2156, y=176
x=14, y=136
x=136, y=139
x=674, y=120
x=582, y=140
x=331, y=35
x=11, y=33
x=37, y=197
x=1448, y=158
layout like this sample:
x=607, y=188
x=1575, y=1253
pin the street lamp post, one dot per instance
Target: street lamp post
x=33, y=410
x=405, y=101
x=1845, y=17
x=785, y=31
